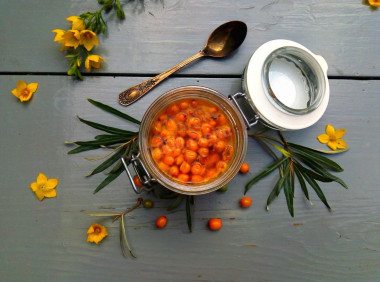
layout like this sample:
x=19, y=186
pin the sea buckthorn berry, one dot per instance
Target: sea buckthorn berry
x=176, y=152
x=193, y=134
x=165, y=133
x=137, y=181
x=203, y=152
x=185, y=167
x=181, y=130
x=162, y=117
x=168, y=150
x=219, y=146
x=179, y=160
x=181, y=117
x=184, y=105
x=215, y=224
x=199, y=113
x=174, y=171
x=212, y=109
x=170, y=141
x=228, y=153
x=157, y=154
x=197, y=169
x=211, y=173
x=184, y=178
x=190, y=156
x=194, y=122
x=171, y=125
x=196, y=178
x=212, y=160
x=203, y=142
x=156, y=142
x=169, y=160
x=212, y=139
x=180, y=142
x=148, y=204
x=161, y=221
x=221, y=119
x=192, y=144
x=172, y=110
x=221, y=166
x=163, y=166
x=157, y=127
x=194, y=103
x=245, y=202
x=244, y=168
x=206, y=129
x=212, y=123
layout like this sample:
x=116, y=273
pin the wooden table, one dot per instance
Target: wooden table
x=46, y=241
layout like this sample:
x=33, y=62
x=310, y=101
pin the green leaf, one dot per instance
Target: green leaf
x=188, y=214
x=331, y=152
x=281, y=150
x=109, y=179
x=114, y=136
x=125, y=236
x=107, y=163
x=310, y=154
x=302, y=182
x=175, y=203
x=275, y=191
x=105, y=128
x=103, y=142
x=264, y=173
x=83, y=148
x=113, y=111
x=288, y=194
x=316, y=188
x=313, y=174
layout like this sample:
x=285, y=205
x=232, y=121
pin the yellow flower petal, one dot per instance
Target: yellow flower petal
x=41, y=179
x=88, y=39
x=71, y=38
x=96, y=233
x=51, y=184
x=50, y=193
x=93, y=61
x=339, y=133
x=58, y=35
x=16, y=92
x=39, y=194
x=77, y=23
x=341, y=144
x=323, y=138
x=34, y=186
x=330, y=131
x=21, y=85
x=374, y=3
x=332, y=145
x=32, y=87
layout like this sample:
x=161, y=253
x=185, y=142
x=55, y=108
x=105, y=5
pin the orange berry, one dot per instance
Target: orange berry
x=171, y=125
x=163, y=166
x=157, y=154
x=221, y=119
x=203, y=142
x=157, y=127
x=244, y=168
x=169, y=160
x=179, y=160
x=212, y=139
x=172, y=110
x=212, y=109
x=197, y=169
x=184, y=105
x=192, y=144
x=194, y=103
x=190, y=155
x=180, y=142
x=211, y=173
x=212, y=159
x=184, y=178
x=203, y=152
x=181, y=130
x=219, y=146
x=174, y=171
x=228, y=153
x=170, y=141
x=221, y=166
x=165, y=133
x=137, y=181
x=206, y=129
x=245, y=202
x=162, y=117
x=156, y=142
x=215, y=224
x=194, y=122
x=161, y=221
x=193, y=134
x=168, y=150
x=181, y=117
x=212, y=123
x=185, y=167
x=176, y=152
x=196, y=178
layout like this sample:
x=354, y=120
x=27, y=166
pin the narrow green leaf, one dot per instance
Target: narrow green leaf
x=302, y=182
x=113, y=111
x=107, y=214
x=275, y=191
x=116, y=167
x=114, y=136
x=102, y=142
x=175, y=203
x=313, y=174
x=288, y=194
x=109, y=179
x=316, y=188
x=105, y=128
x=80, y=149
x=281, y=150
x=107, y=163
x=188, y=214
x=331, y=152
x=309, y=154
x=121, y=239
x=264, y=173
x=125, y=237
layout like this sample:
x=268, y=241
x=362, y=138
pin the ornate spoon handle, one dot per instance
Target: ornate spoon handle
x=132, y=94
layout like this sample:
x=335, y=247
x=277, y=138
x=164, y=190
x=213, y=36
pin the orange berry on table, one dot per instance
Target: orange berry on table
x=137, y=181
x=184, y=178
x=185, y=167
x=245, y=202
x=161, y=221
x=244, y=168
x=215, y=224
x=169, y=160
x=174, y=171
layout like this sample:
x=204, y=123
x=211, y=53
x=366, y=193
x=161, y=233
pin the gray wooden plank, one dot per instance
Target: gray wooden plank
x=47, y=240
x=164, y=33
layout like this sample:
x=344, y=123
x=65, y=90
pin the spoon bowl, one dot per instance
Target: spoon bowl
x=223, y=41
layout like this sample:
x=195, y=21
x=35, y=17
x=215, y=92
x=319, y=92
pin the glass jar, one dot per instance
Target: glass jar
x=154, y=174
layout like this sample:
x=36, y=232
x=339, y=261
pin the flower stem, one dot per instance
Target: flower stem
x=139, y=201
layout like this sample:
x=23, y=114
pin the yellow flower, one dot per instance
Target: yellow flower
x=44, y=187
x=77, y=23
x=333, y=138
x=374, y=3
x=24, y=92
x=71, y=38
x=96, y=233
x=93, y=61
x=88, y=39
x=59, y=38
